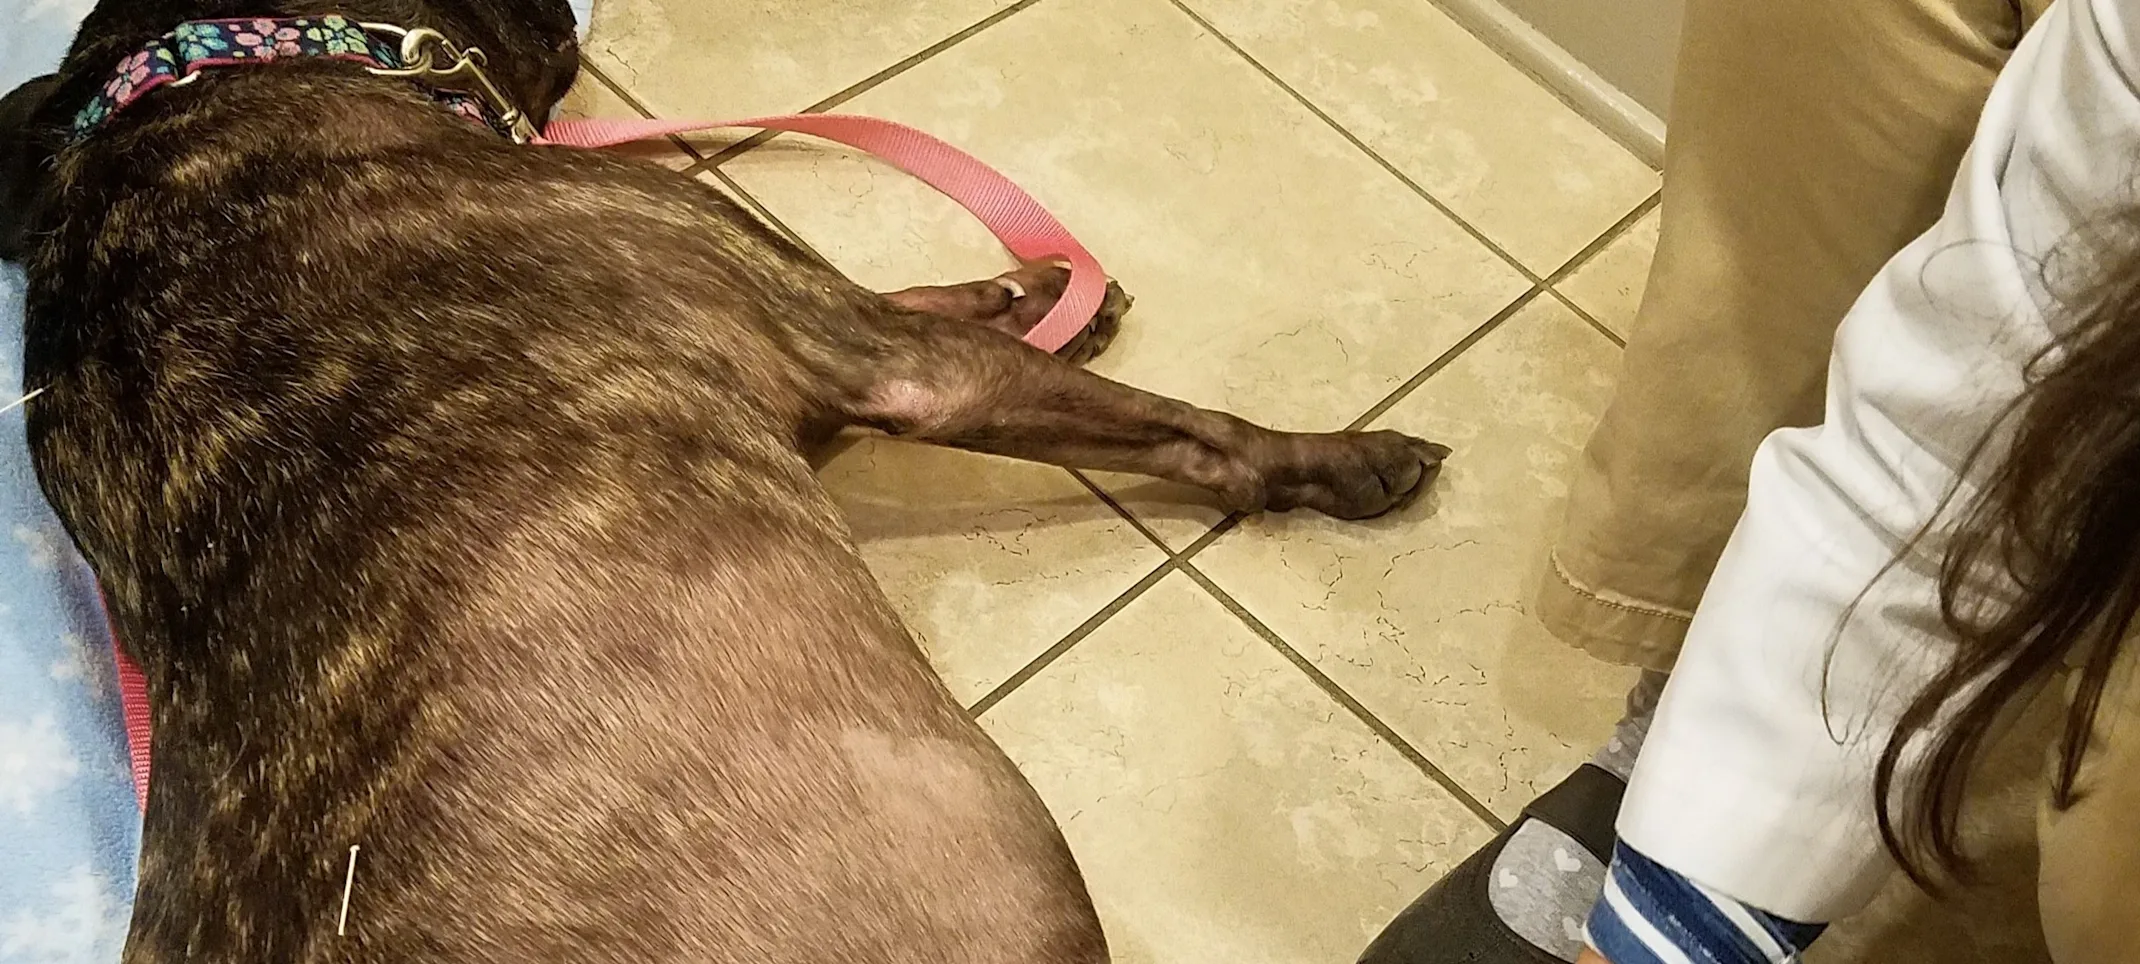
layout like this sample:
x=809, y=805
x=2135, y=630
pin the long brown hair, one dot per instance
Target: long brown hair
x=2057, y=517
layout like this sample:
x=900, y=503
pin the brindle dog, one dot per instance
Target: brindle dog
x=453, y=497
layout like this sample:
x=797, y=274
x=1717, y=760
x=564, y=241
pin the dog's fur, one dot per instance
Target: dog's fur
x=452, y=496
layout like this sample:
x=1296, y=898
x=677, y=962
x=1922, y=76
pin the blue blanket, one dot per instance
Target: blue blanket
x=69, y=829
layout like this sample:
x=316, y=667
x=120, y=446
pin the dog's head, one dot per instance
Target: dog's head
x=27, y=146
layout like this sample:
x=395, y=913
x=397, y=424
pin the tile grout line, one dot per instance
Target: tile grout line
x=759, y=208
x=1590, y=252
x=1595, y=325
x=1331, y=122
x=749, y=200
x=863, y=86
x=1605, y=238
x=1447, y=357
x=1123, y=511
x=1338, y=693
x=1047, y=657
x=630, y=99
x=1544, y=285
x=1232, y=521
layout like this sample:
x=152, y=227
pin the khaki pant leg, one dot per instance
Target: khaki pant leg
x=1809, y=141
x=2088, y=888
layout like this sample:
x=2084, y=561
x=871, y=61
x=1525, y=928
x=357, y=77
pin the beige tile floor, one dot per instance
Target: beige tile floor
x=1262, y=737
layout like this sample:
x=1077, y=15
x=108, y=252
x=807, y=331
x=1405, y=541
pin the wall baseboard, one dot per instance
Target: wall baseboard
x=1617, y=114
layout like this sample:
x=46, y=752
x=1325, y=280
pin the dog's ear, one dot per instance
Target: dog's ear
x=26, y=154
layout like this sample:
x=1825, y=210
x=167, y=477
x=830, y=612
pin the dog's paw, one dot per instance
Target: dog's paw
x=1034, y=291
x=1015, y=302
x=1354, y=475
x=1099, y=333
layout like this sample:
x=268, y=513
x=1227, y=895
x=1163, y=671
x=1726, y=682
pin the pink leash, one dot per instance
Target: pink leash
x=1024, y=227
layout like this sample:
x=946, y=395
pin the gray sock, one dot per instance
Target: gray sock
x=1618, y=753
x=1544, y=882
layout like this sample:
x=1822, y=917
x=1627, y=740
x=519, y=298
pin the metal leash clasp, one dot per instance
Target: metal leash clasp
x=422, y=51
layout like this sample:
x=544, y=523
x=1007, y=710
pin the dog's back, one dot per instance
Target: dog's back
x=448, y=493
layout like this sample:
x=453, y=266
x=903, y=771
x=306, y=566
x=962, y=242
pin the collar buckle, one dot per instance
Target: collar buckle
x=427, y=56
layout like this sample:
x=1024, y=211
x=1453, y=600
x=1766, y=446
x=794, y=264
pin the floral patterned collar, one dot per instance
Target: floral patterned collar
x=178, y=57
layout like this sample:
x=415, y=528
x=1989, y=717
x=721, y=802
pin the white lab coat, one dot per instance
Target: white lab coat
x=1746, y=785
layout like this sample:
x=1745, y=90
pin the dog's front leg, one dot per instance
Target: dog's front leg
x=974, y=387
